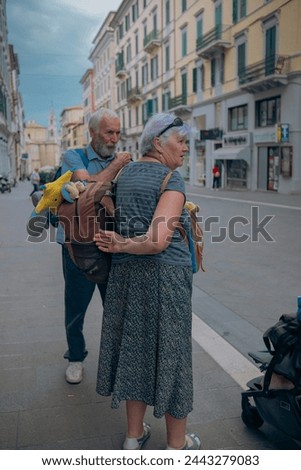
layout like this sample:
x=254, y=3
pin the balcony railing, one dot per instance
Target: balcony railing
x=134, y=95
x=268, y=73
x=217, y=38
x=120, y=68
x=177, y=101
x=151, y=41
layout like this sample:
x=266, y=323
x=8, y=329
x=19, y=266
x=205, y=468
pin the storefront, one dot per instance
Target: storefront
x=274, y=159
x=234, y=159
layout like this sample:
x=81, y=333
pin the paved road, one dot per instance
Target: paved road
x=245, y=288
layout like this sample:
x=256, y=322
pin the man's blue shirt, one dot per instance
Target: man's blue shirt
x=73, y=161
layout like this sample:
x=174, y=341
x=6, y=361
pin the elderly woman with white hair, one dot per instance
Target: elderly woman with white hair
x=145, y=351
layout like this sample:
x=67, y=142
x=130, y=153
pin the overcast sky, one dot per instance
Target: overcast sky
x=53, y=40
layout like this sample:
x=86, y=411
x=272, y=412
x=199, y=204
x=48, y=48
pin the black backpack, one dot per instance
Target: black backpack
x=283, y=341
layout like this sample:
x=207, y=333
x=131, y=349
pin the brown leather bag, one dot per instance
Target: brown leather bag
x=81, y=219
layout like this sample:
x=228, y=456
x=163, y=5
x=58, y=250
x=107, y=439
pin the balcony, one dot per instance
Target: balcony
x=134, y=95
x=178, y=105
x=120, y=69
x=152, y=41
x=264, y=75
x=216, y=40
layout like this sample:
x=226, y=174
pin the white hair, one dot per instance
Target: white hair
x=98, y=115
x=154, y=126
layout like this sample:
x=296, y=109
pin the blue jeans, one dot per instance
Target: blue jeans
x=78, y=294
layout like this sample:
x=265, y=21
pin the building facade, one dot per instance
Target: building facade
x=87, y=82
x=11, y=108
x=72, y=128
x=230, y=68
x=42, y=145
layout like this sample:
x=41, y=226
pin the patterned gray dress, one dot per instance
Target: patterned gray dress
x=145, y=349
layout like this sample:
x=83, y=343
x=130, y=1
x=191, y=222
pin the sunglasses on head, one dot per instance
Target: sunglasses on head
x=177, y=122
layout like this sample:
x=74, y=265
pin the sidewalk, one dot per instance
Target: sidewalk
x=38, y=409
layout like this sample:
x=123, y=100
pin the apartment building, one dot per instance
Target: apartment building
x=230, y=68
x=87, y=82
x=248, y=84
x=102, y=57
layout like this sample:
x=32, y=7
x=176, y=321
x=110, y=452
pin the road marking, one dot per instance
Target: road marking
x=257, y=203
x=228, y=358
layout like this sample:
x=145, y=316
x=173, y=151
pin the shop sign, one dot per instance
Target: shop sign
x=282, y=133
x=236, y=140
x=267, y=136
x=211, y=134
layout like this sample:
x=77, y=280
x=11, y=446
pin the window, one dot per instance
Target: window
x=123, y=91
x=128, y=84
x=144, y=3
x=267, y=112
x=3, y=104
x=184, y=85
x=155, y=22
x=136, y=43
x=199, y=28
x=184, y=41
x=222, y=68
x=167, y=57
x=144, y=29
x=128, y=53
x=137, y=116
x=184, y=5
x=144, y=74
x=194, y=80
x=120, y=31
x=241, y=59
x=238, y=118
x=167, y=12
x=154, y=68
x=155, y=105
x=202, y=74
x=135, y=11
x=239, y=10
x=129, y=118
x=127, y=22
x=213, y=66
x=165, y=100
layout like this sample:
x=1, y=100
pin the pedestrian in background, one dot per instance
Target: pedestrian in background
x=145, y=352
x=216, y=177
x=103, y=163
x=35, y=180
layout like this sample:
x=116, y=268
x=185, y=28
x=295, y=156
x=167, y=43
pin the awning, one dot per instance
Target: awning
x=233, y=153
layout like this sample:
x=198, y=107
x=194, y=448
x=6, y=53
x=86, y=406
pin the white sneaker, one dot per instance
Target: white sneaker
x=135, y=443
x=74, y=372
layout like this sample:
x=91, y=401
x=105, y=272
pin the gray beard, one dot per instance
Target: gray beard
x=104, y=151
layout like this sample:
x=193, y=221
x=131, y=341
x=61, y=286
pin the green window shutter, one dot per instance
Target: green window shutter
x=234, y=11
x=194, y=80
x=184, y=43
x=243, y=12
x=241, y=59
x=149, y=107
x=184, y=85
x=212, y=76
x=199, y=29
